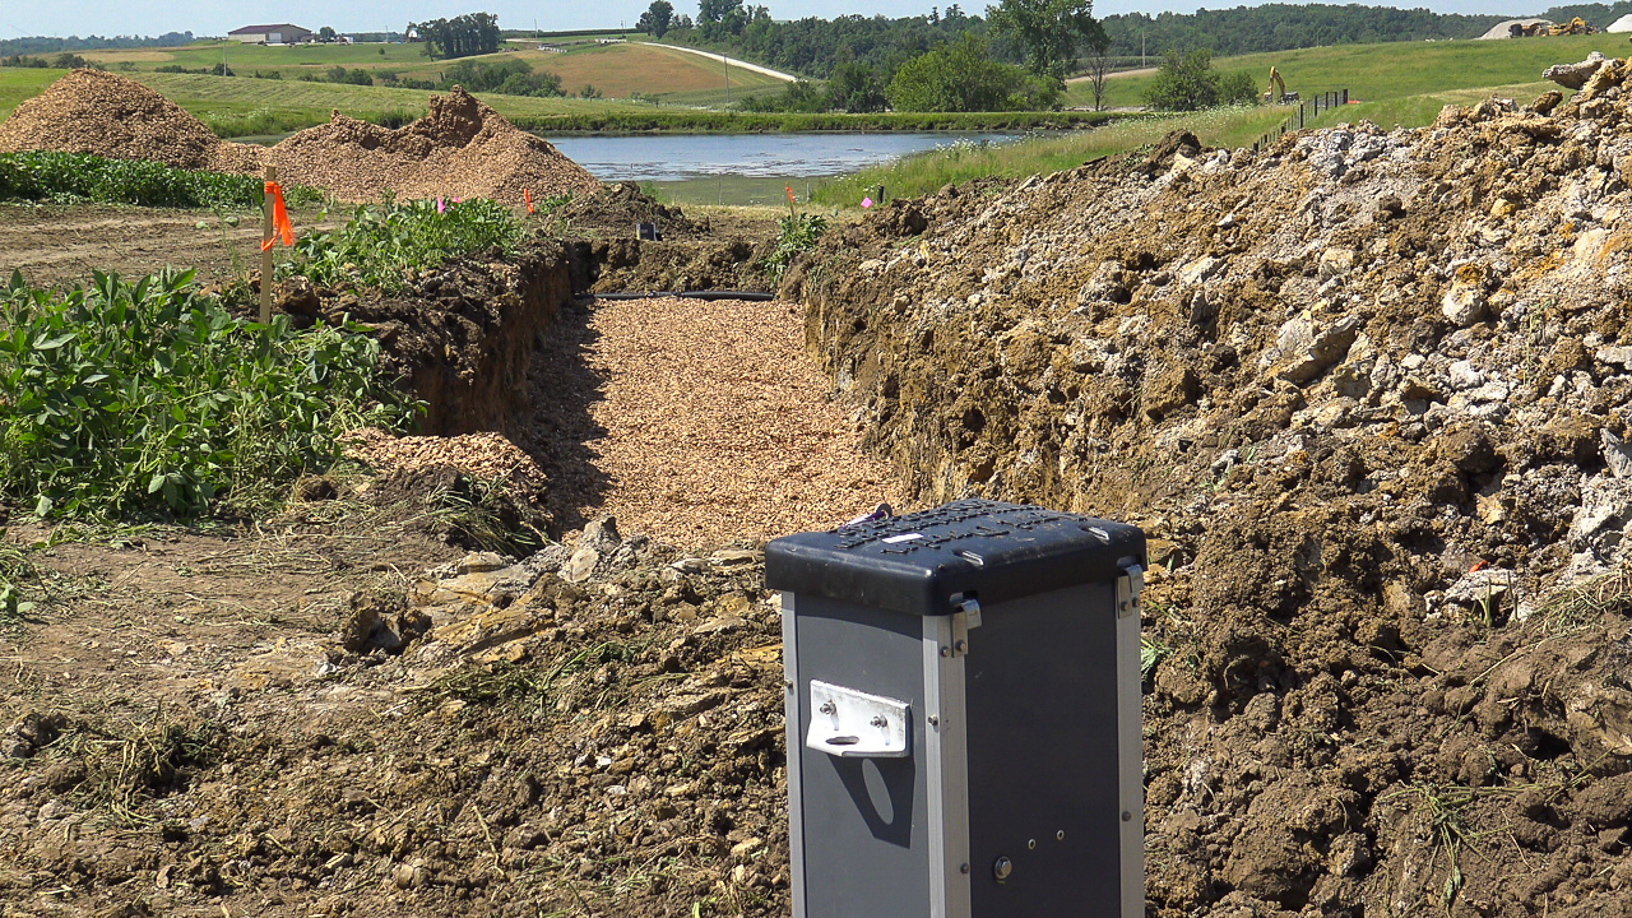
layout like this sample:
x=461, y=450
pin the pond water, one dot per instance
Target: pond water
x=686, y=157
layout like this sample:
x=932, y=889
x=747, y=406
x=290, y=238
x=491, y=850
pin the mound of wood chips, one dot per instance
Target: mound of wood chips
x=461, y=149
x=484, y=456
x=89, y=111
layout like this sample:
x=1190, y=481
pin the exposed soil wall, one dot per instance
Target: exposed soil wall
x=1367, y=393
x=463, y=336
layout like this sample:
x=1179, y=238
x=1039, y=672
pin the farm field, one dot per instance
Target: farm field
x=1390, y=71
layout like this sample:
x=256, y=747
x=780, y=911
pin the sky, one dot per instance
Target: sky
x=155, y=17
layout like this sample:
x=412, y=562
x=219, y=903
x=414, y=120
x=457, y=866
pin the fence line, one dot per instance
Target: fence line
x=1307, y=111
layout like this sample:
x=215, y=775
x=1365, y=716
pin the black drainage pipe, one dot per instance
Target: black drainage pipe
x=690, y=295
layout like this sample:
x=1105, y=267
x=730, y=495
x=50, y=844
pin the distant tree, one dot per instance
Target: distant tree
x=657, y=18
x=961, y=76
x=1098, y=65
x=1185, y=82
x=856, y=87
x=1237, y=88
x=461, y=36
x=327, y=34
x=1049, y=32
x=720, y=18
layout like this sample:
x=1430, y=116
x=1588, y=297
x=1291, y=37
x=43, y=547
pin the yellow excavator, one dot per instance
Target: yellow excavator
x=1576, y=26
x=1277, y=89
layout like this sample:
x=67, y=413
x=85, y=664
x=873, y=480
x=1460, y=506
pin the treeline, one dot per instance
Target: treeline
x=1597, y=14
x=39, y=44
x=814, y=47
x=63, y=60
x=461, y=36
x=1283, y=27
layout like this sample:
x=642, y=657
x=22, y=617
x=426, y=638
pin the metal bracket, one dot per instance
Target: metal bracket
x=967, y=616
x=851, y=724
x=1128, y=588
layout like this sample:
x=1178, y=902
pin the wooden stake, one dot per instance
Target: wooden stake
x=266, y=248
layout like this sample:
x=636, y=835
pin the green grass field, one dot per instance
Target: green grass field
x=617, y=71
x=1390, y=71
x=20, y=83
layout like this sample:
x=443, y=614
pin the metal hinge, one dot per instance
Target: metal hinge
x=1128, y=588
x=967, y=616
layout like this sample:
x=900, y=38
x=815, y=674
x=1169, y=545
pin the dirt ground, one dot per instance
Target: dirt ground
x=352, y=709
x=62, y=244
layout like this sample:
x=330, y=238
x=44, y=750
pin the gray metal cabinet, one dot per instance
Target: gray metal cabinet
x=963, y=715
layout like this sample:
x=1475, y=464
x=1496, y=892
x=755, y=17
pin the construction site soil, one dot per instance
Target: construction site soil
x=1366, y=391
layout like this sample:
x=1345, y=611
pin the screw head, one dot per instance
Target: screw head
x=1002, y=868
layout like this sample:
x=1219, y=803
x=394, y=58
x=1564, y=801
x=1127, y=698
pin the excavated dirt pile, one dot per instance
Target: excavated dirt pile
x=1368, y=392
x=460, y=149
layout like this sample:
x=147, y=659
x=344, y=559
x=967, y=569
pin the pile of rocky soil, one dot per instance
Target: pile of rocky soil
x=460, y=149
x=1367, y=391
x=308, y=721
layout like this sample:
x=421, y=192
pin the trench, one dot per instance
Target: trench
x=696, y=419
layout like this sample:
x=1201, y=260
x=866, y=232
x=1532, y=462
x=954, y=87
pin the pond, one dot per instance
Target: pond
x=683, y=157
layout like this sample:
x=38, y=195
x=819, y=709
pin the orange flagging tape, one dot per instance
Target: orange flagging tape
x=528, y=194
x=280, y=218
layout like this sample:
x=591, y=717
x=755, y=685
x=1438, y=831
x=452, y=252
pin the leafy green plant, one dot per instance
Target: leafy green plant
x=796, y=233
x=15, y=567
x=1151, y=654
x=383, y=240
x=131, y=398
x=76, y=177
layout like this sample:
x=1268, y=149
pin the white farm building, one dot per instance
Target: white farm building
x=280, y=34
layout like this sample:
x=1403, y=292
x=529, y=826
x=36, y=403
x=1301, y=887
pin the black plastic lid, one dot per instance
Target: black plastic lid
x=925, y=563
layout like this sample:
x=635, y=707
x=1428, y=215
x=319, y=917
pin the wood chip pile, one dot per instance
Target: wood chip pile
x=461, y=149
x=484, y=456
x=89, y=111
